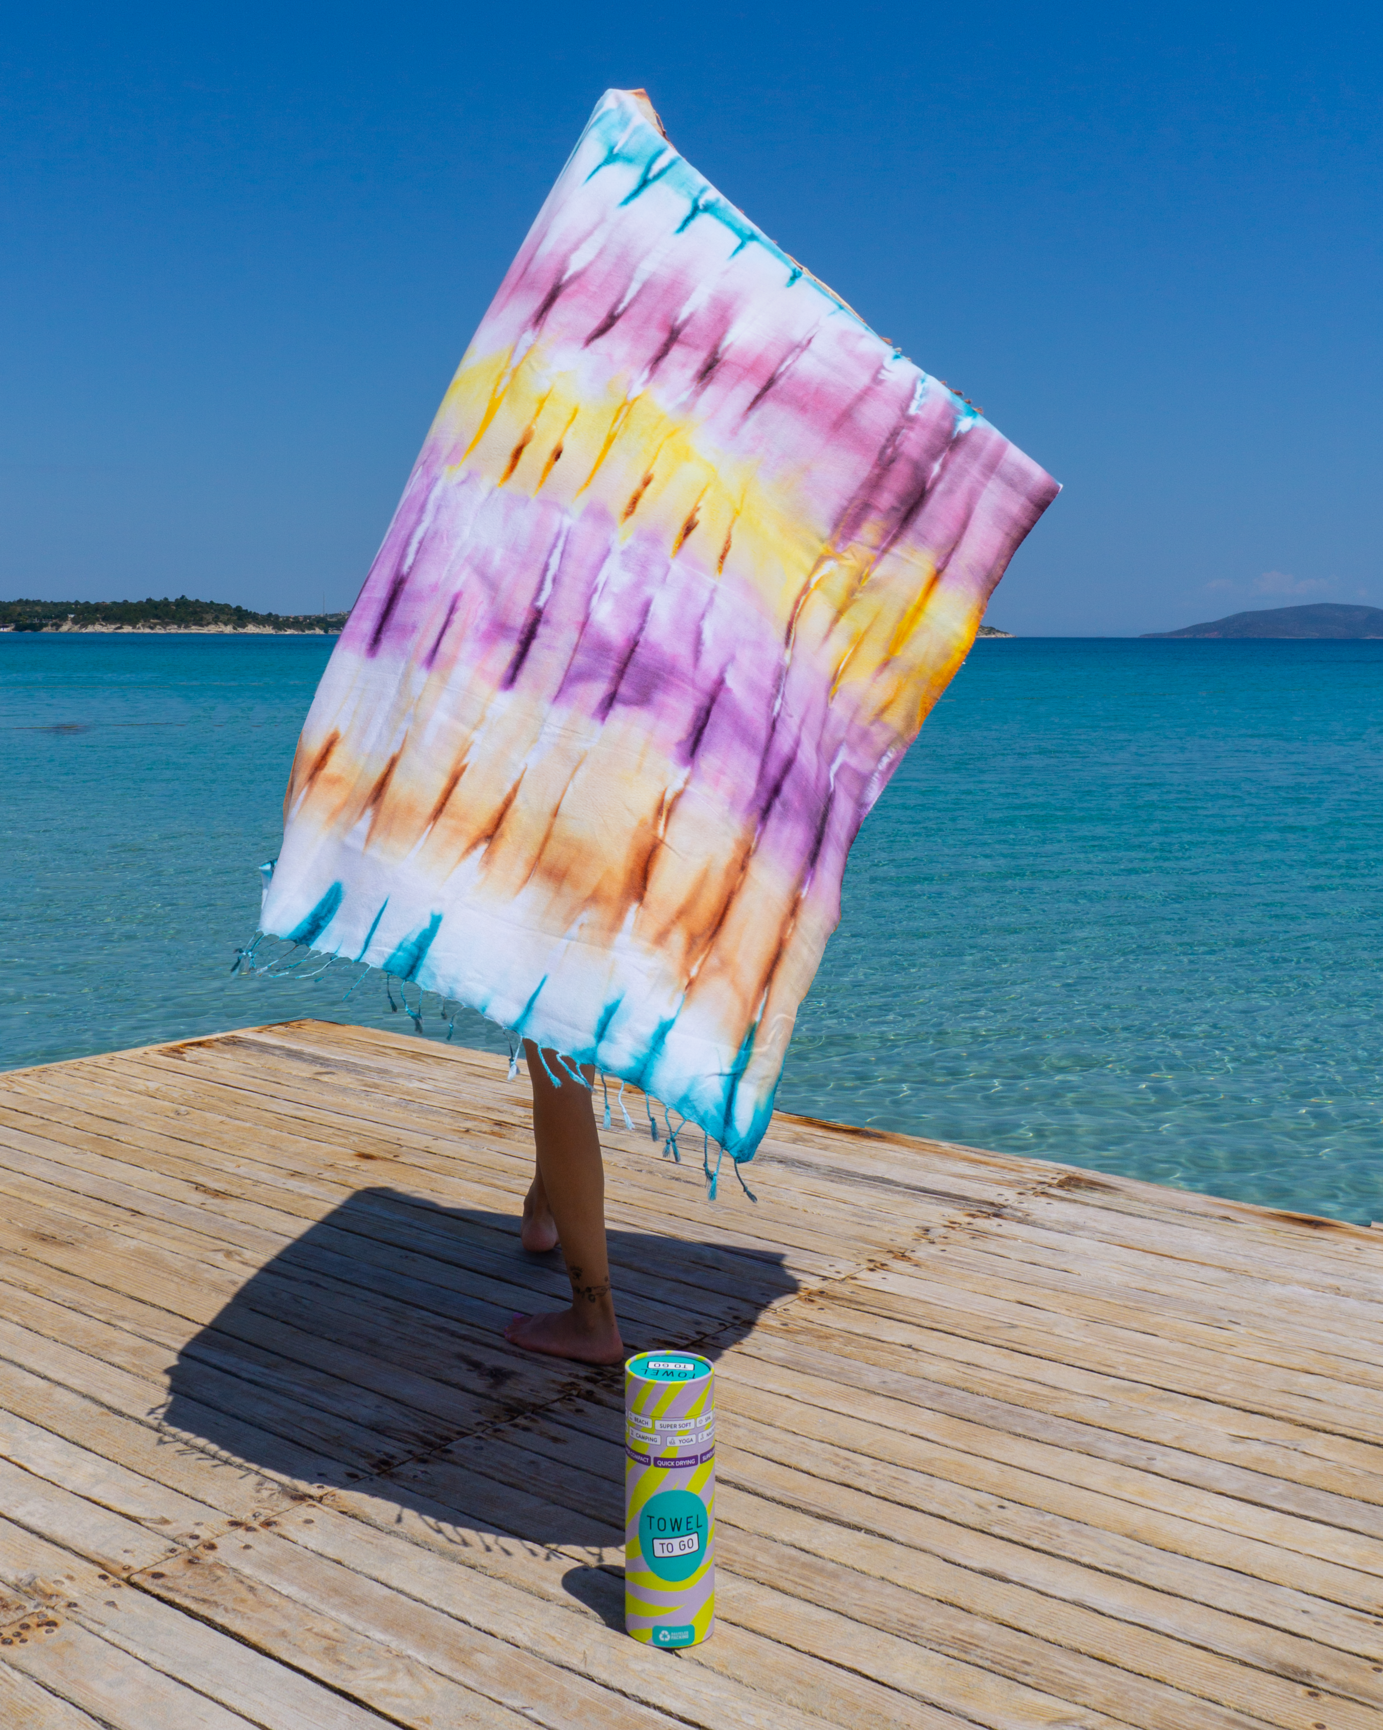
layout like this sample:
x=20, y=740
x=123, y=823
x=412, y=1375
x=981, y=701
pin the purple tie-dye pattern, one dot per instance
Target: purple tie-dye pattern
x=687, y=556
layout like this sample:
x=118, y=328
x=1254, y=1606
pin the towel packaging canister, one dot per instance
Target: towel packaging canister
x=669, y=1498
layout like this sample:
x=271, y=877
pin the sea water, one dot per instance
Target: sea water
x=1119, y=907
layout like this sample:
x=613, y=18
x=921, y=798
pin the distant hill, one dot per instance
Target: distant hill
x=1322, y=619
x=990, y=631
x=151, y=615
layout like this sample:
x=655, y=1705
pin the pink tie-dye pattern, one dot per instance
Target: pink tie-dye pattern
x=685, y=560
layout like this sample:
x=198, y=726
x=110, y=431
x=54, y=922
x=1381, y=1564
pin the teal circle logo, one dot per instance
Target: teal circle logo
x=674, y=1534
x=668, y=1366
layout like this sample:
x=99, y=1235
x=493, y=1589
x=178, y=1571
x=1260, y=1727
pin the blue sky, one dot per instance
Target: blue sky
x=244, y=248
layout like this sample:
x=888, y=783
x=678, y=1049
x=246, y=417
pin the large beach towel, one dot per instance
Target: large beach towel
x=688, y=555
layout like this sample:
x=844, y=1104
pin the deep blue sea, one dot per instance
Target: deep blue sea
x=1119, y=907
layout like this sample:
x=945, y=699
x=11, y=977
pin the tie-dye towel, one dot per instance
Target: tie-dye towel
x=687, y=557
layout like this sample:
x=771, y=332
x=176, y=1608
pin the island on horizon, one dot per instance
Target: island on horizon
x=1321, y=619
x=182, y=614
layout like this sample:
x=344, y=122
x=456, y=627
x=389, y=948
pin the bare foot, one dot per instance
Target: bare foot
x=538, y=1231
x=561, y=1334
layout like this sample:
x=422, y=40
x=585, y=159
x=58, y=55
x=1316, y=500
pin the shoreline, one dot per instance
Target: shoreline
x=165, y=631
x=241, y=631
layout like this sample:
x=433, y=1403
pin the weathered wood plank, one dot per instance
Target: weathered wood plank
x=814, y=1162
x=416, y=1116
x=310, y=1301
x=980, y=1692
x=584, y=1575
x=214, y=1162
x=848, y=1154
x=794, y=1237
x=121, y=1692
x=195, y=1475
x=1002, y=1442
x=1269, y=1332
x=262, y=1201
x=82, y=1472
x=25, y=1705
x=271, y=1455
x=1215, y=1386
x=930, y=1512
x=227, y=1671
x=1192, y=1239
x=1215, y=1290
x=1188, y=1648
x=1100, y=1418
x=1127, y=1629
x=1110, y=1539
x=410, y=1618
x=79, y=1525
x=492, y=1603
x=135, y=1444
x=1311, y=1236
x=1178, y=1483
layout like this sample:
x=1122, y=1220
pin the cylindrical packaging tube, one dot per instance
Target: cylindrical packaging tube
x=669, y=1498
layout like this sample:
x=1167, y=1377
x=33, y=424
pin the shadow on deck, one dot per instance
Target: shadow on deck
x=368, y=1356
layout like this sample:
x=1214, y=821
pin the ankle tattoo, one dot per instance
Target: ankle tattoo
x=592, y=1294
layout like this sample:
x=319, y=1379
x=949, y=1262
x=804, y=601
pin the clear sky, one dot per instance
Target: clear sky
x=244, y=247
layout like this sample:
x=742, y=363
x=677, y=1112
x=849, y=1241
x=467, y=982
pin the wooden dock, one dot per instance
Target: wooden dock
x=1002, y=1443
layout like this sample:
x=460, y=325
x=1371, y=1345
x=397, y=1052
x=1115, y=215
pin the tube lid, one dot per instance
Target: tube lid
x=669, y=1366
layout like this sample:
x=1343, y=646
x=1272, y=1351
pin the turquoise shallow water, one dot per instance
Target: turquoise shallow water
x=1119, y=907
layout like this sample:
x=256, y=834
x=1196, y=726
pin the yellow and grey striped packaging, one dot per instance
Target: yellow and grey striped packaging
x=669, y=1498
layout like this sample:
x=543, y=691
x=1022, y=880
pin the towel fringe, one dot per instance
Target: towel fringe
x=293, y=960
x=670, y=1145
x=574, y=1072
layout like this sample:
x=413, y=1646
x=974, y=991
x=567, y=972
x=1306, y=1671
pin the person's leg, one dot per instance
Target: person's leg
x=538, y=1229
x=567, y=1203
